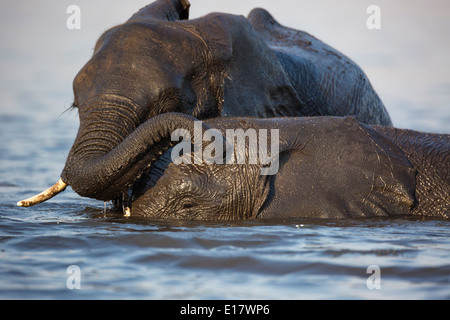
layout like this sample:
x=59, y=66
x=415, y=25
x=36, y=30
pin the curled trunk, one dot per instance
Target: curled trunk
x=92, y=170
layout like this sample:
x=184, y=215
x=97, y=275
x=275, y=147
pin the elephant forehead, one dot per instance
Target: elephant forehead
x=189, y=176
x=139, y=55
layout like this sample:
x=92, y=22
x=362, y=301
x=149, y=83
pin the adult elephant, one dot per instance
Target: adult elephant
x=218, y=65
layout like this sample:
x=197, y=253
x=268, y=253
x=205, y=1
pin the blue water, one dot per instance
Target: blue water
x=128, y=258
x=121, y=258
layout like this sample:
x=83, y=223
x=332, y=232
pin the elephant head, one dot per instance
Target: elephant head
x=201, y=192
x=226, y=179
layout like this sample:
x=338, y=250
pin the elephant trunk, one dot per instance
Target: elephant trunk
x=103, y=128
x=93, y=172
x=99, y=167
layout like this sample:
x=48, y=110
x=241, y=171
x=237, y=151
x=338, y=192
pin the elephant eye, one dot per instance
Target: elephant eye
x=188, y=205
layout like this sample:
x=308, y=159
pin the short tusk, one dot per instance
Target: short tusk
x=45, y=195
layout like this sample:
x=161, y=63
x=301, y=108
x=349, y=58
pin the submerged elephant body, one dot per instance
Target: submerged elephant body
x=329, y=167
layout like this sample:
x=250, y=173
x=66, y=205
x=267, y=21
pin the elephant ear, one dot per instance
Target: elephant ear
x=349, y=170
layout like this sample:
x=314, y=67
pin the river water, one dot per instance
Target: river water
x=118, y=257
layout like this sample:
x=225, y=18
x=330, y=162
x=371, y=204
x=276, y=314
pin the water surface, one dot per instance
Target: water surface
x=296, y=259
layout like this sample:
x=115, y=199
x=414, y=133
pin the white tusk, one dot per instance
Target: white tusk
x=44, y=195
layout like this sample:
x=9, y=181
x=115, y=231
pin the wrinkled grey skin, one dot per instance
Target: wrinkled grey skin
x=330, y=167
x=218, y=65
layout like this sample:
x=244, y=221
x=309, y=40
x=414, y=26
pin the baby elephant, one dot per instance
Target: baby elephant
x=321, y=167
